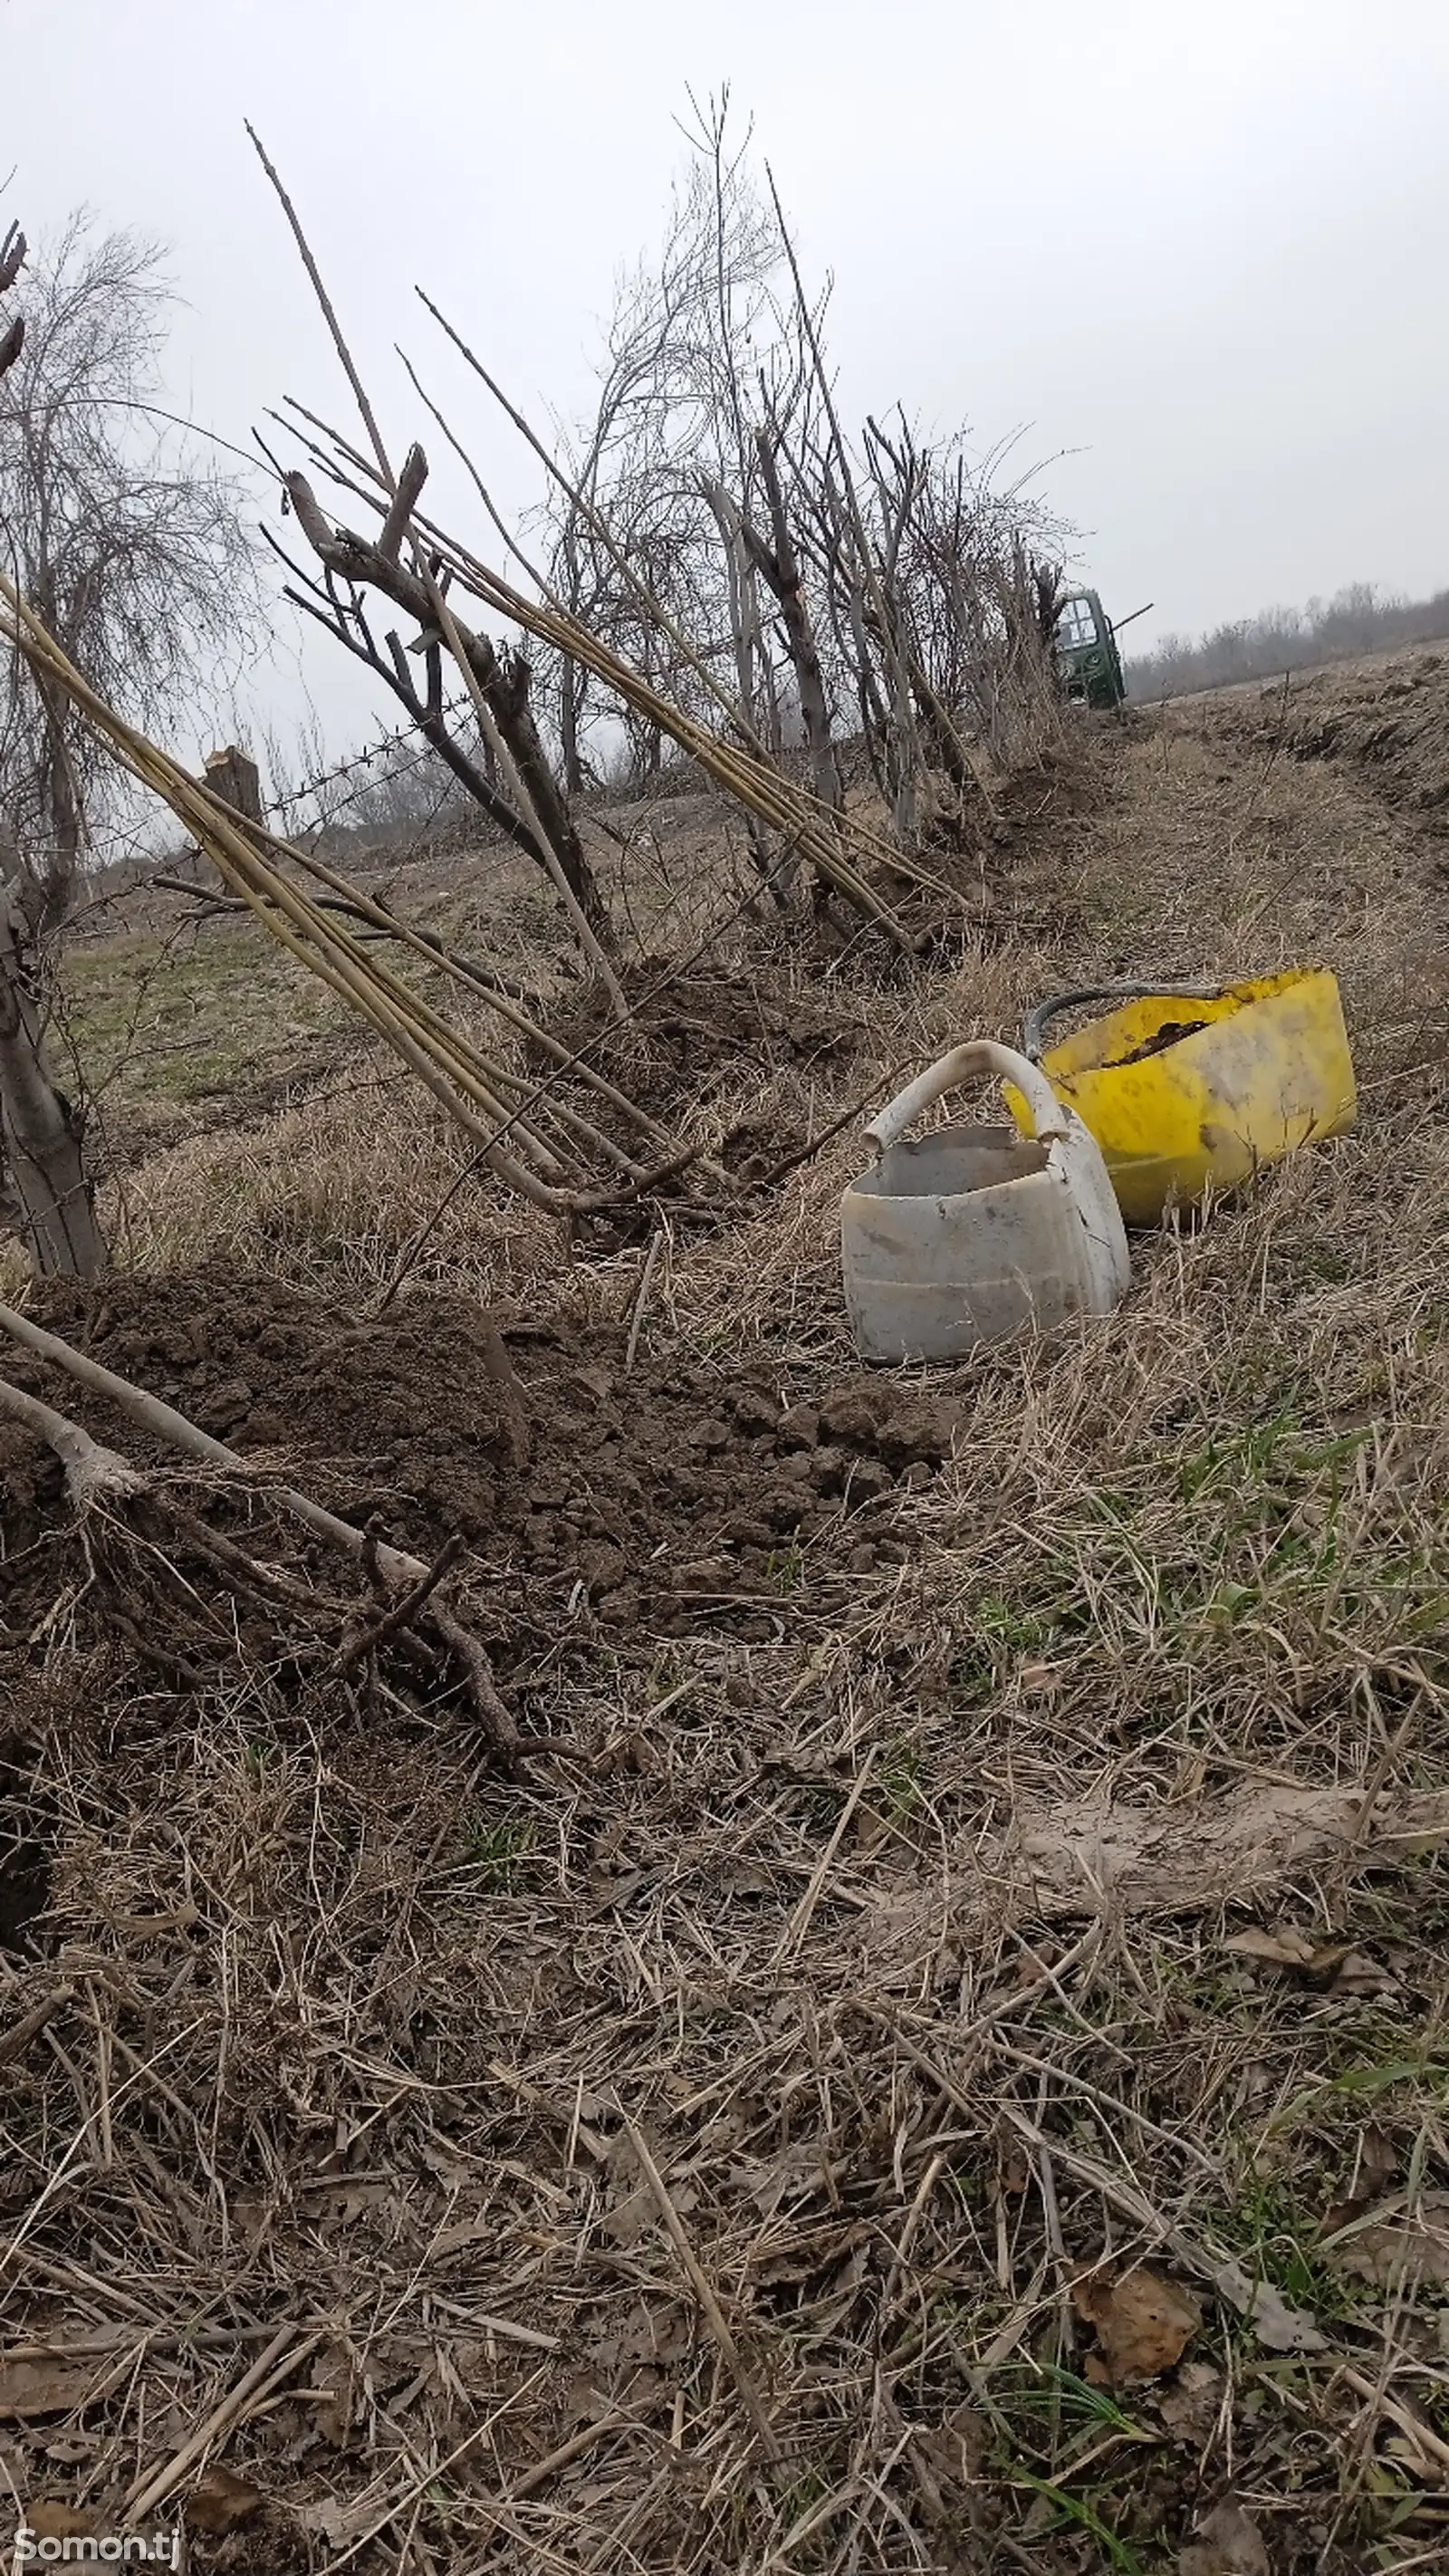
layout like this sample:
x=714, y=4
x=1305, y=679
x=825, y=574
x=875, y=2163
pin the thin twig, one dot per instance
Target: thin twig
x=768, y=2439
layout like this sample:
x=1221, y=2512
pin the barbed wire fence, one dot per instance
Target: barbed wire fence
x=312, y=789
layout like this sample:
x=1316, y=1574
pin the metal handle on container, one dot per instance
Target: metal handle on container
x=1034, y=1026
x=977, y=1056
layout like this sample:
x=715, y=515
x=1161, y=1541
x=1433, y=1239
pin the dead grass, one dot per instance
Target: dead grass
x=740, y=2144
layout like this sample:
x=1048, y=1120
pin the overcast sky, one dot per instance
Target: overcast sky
x=1196, y=253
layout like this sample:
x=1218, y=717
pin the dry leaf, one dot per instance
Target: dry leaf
x=469, y=2231
x=1068, y=1855
x=348, y=2196
x=1416, y=2249
x=1375, y=2166
x=51, y=2520
x=797, y=2172
x=1041, y=1677
x=220, y=2501
x=632, y=2205
x=1378, y=2162
x=1286, y=1949
x=630, y=1753
x=1143, y=2324
x=803, y=2253
x=954, y=2450
x=50, y=2387
x=1227, y=2544
x=337, y=2523
x=1280, y=2328
x=1335, y=1966
x=1358, y=1974
x=1013, y=2172
x=1190, y=2404
x=332, y=2378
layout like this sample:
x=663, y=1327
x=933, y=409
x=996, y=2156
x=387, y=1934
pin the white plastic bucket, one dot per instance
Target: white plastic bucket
x=974, y=1233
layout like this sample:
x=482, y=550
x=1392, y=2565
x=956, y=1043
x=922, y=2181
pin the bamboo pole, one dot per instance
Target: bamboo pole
x=466, y=1084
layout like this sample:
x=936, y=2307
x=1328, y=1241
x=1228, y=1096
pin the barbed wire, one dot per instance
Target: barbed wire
x=325, y=778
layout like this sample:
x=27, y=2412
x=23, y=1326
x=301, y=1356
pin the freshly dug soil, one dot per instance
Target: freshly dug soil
x=669, y=1497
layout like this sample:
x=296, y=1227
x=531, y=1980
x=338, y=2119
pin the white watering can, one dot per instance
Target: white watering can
x=974, y=1233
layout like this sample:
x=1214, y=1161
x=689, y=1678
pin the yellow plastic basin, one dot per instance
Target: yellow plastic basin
x=1269, y=1069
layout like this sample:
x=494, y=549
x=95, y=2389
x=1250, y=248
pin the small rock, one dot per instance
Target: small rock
x=918, y=1476
x=796, y=1465
x=231, y=1403
x=705, y=1574
x=264, y=1430
x=1228, y=2544
x=1190, y=2403
x=861, y=1560
x=916, y=1430
x=221, y=2500
x=745, y=1532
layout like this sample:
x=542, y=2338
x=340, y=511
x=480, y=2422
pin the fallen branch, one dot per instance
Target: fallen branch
x=162, y=1419
x=714, y=2315
x=399, y=1612
x=15, y=2041
x=92, y=1474
x=476, y=1091
x=395, y=1567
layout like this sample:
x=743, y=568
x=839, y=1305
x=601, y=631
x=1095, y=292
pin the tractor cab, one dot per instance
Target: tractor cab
x=1088, y=662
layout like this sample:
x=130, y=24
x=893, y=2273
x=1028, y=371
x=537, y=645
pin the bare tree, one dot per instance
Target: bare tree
x=126, y=543
x=872, y=584
x=131, y=550
x=530, y=806
x=662, y=479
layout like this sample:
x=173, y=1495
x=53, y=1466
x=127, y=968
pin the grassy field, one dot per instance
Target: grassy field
x=948, y=2067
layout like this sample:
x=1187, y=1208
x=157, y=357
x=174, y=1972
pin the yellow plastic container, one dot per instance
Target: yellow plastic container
x=1188, y=1092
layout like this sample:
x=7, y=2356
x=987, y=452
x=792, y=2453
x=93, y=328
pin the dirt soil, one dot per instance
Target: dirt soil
x=663, y=1495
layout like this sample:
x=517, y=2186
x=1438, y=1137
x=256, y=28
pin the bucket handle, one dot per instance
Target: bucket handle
x=1034, y=1026
x=977, y=1056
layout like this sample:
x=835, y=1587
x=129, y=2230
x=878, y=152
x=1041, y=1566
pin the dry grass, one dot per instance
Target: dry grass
x=693, y=2156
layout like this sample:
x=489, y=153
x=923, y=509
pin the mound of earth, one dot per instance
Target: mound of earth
x=672, y=1496
x=1389, y=723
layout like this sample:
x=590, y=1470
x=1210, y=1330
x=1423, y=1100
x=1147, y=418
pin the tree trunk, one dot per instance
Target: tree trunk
x=504, y=689
x=750, y=669
x=781, y=569
x=40, y=1132
x=58, y=802
x=571, y=679
x=233, y=776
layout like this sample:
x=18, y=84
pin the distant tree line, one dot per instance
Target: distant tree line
x=1360, y=619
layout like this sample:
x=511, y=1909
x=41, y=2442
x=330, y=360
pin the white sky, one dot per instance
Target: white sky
x=1196, y=251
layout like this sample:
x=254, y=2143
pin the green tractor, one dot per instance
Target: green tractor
x=1088, y=662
